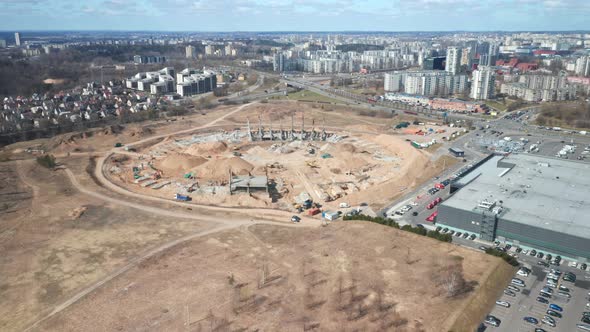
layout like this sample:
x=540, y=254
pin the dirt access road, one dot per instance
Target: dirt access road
x=224, y=224
x=251, y=217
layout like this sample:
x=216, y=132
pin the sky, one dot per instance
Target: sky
x=295, y=15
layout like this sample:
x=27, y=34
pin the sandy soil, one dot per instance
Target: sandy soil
x=57, y=241
x=372, y=163
x=345, y=277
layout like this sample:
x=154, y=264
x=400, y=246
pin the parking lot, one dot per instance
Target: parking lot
x=525, y=303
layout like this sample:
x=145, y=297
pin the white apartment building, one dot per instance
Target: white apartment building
x=583, y=66
x=453, y=64
x=190, y=51
x=426, y=83
x=483, y=83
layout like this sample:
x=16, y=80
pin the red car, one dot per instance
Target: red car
x=432, y=216
x=439, y=186
x=438, y=200
x=430, y=206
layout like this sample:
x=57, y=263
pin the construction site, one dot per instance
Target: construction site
x=266, y=164
x=184, y=224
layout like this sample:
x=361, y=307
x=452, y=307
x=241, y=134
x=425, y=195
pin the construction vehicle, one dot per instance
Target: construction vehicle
x=180, y=197
x=157, y=175
x=312, y=164
x=313, y=211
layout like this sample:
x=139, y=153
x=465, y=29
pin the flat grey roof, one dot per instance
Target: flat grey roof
x=544, y=192
x=244, y=181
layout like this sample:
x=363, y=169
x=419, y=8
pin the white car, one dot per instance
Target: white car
x=522, y=273
x=503, y=304
x=573, y=264
x=413, y=203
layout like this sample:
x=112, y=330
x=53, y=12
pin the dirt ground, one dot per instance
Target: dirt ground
x=57, y=241
x=349, y=276
x=54, y=240
x=370, y=162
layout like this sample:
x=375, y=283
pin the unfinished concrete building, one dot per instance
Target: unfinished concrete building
x=282, y=134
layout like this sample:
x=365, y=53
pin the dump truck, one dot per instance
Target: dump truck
x=180, y=197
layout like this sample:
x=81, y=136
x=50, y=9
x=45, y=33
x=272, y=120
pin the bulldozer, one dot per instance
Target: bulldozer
x=312, y=164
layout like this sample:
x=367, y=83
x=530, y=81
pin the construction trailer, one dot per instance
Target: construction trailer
x=457, y=152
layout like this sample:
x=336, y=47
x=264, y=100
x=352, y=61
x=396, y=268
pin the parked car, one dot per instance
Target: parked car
x=492, y=320
x=555, y=307
x=543, y=263
x=548, y=320
x=513, y=288
x=545, y=295
x=458, y=234
x=509, y=293
x=472, y=237
x=564, y=294
x=503, y=304
x=465, y=235
x=531, y=320
x=533, y=252
x=542, y=300
x=295, y=219
x=540, y=255
x=554, y=313
x=564, y=289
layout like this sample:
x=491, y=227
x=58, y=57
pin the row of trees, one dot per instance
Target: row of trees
x=498, y=253
x=408, y=228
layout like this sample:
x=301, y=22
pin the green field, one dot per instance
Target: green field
x=498, y=106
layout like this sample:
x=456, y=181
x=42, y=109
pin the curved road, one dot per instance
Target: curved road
x=224, y=223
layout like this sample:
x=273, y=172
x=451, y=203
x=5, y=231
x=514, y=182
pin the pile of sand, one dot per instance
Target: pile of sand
x=77, y=212
x=218, y=169
x=178, y=162
x=207, y=148
x=347, y=147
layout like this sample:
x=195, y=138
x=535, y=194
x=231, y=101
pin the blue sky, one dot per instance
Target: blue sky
x=295, y=15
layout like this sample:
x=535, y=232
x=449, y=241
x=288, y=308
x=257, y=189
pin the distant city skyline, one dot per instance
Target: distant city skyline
x=296, y=15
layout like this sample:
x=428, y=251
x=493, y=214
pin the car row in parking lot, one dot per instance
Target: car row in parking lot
x=549, y=298
x=454, y=233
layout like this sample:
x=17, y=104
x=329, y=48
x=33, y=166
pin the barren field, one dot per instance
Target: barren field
x=349, y=276
x=54, y=240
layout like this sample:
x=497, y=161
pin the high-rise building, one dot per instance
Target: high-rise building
x=190, y=51
x=467, y=54
x=209, y=49
x=453, y=65
x=17, y=38
x=583, y=66
x=228, y=50
x=2, y=43
x=483, y=83
x=278, y=62
x=393, y=82
x=435, y=63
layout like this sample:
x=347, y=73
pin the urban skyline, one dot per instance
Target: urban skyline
x=299, y=15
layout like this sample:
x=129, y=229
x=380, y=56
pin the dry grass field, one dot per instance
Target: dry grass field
x=349, y=276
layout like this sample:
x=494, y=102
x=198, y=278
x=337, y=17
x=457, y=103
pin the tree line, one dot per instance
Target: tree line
x=408, y=228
